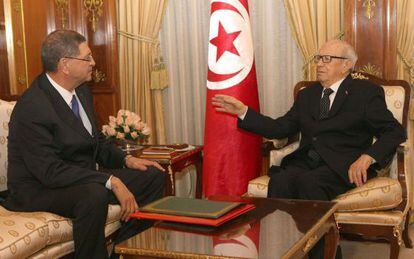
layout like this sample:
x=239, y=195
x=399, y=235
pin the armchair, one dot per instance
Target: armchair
x=381, y=207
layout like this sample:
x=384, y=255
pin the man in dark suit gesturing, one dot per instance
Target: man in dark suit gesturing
x=338, y=117
x=54, y=146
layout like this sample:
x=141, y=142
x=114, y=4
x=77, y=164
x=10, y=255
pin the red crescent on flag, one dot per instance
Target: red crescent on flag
x=223, y=6
x=214, y=77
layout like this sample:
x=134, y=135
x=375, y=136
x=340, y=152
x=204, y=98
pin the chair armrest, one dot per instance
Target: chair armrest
x=267, y=146
x=403, y=148
x=277, y=155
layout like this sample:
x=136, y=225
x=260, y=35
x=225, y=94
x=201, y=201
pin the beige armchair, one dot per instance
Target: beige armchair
x=381, y=207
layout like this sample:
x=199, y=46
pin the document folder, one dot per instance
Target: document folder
x=179, y=206
x=193, y=211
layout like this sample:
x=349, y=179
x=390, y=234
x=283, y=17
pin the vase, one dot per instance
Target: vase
x=129, y=146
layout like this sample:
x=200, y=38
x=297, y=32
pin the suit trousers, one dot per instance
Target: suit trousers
x=307, y=179
x=87, y=205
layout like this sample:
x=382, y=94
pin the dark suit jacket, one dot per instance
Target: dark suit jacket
x=48, y=147
x=358, y=114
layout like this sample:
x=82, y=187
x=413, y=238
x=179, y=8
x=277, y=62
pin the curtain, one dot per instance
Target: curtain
x=184, y=42
x=313, y=22
x=405, y=71
x=142, y=75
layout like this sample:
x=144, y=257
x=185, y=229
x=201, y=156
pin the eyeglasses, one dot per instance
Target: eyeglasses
x=88, y=58
x=325, y=58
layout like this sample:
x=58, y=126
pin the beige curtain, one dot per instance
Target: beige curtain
x=142, y=73
x=405, y=70
x=313, y=22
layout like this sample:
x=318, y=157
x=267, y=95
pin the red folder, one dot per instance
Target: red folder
x=194, y=220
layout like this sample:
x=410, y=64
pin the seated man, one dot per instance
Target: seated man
x=338, y=117
x=54, y=146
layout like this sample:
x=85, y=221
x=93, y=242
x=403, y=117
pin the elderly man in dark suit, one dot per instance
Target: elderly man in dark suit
x=338, y=117
x=54, y=146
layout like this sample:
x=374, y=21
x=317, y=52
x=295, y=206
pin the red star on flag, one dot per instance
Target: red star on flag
x=225, y=42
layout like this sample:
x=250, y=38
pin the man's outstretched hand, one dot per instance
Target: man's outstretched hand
x=229, y=104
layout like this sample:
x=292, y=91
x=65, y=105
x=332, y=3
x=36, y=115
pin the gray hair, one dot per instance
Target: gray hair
x=59, y=44
x=350, y=53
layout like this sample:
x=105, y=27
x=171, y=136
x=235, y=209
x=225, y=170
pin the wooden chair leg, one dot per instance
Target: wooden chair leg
x=405, y=235
x=394, y=248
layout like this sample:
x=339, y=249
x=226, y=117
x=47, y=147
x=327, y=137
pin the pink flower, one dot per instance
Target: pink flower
x=112, y=119
x=126, y=125
x=111, y=131
x=120, y=113
x=119, y=120
x=129, y=121
x=134, y=134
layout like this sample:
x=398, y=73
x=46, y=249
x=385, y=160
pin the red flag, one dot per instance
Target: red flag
x=231, y=155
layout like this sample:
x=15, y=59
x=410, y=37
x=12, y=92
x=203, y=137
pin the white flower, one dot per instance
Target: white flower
x=139, y=126
x=104, y=128
x=126, y=129
x=146, y=130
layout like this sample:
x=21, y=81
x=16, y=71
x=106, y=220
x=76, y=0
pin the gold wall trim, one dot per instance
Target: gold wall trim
x=98, y=76
x=369, y=8
x=371, y=69
x=94, y=10
x=24, y=47
x=10, y=46
x=62, y=5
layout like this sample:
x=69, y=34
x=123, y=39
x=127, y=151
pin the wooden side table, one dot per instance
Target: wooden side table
x=177, y=163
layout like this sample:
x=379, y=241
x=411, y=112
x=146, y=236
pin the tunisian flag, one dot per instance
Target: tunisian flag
x=231, y=155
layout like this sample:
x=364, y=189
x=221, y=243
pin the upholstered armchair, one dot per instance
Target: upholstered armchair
x=381, y=207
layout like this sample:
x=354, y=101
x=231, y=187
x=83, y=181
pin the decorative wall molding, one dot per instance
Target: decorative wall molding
x=369, y=6
x=63, y=5
x=94, y=11
x=371, y=69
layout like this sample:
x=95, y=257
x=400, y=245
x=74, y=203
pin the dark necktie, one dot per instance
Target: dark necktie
x=75, y=106
x=325, y=103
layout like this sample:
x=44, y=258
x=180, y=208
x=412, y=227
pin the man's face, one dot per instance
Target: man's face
x=329, y=73
x=81, y=66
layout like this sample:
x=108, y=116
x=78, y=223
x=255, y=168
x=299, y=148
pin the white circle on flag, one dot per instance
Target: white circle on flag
x=230, y=69
x=244, y=248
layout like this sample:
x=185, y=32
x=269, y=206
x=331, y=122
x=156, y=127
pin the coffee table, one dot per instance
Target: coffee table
x=277, y=228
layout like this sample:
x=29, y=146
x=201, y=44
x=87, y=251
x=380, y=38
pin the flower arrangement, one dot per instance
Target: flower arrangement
x=126, y=125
